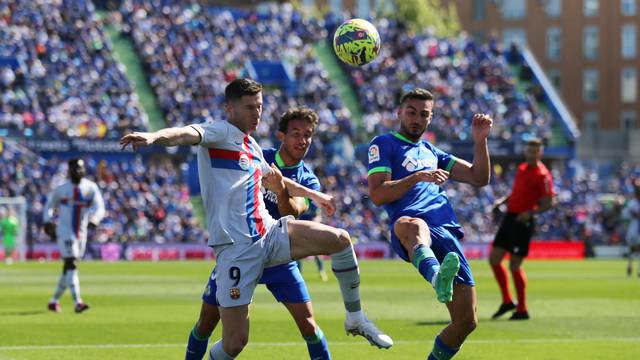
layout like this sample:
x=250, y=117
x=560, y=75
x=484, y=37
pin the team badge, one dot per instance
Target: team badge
x=234, y=293
x=374, y=153
x=243, y=162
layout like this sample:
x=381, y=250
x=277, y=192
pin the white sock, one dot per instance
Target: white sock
x=73, y=281
x=345, y=267
x=217, y=353
x=355, y=317
x=434, y=278
x=62, y=286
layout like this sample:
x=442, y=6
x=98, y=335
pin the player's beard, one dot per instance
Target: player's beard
x=414, y=134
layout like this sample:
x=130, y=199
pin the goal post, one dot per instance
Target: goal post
x=18, y=206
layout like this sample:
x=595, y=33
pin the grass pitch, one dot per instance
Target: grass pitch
x=580, y=310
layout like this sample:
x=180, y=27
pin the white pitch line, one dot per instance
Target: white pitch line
x=300, y=343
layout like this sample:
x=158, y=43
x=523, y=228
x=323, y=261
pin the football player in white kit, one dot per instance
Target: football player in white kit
x=245, y=238
x=80, y=205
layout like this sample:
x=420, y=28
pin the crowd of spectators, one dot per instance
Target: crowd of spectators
x=190, y=52
x=149, y=202
x=466, y=77
x=145, y=200
x=58, y=76
x=589, y=201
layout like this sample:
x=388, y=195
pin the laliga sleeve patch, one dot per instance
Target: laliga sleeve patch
x=374, y=153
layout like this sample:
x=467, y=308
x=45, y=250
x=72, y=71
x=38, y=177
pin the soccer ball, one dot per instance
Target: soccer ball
x=356, y=42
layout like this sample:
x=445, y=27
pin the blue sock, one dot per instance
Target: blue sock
x=441, y=351
x=317, y=345
x=197, y=346
x=425, y=261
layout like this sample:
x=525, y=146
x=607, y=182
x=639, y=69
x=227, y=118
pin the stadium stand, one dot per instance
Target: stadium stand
x=146, y=201
x=466, y=77
x=61, y=83
x=58, y=77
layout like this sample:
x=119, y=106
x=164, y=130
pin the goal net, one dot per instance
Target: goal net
x=16, y=207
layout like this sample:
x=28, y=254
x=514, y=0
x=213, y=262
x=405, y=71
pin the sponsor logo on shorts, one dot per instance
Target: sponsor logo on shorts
x=234, y=293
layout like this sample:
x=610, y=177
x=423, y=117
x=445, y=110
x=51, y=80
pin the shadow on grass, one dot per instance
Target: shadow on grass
x=22, y=313
x=428, y=323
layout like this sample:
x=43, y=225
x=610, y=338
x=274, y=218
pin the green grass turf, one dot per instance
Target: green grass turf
x=580, y=310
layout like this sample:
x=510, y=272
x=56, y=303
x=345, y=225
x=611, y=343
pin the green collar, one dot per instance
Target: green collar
x=403, y=138
x=281, y=163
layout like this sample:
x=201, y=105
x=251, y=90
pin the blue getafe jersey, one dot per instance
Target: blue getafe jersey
x=300, y=173
x=399, y=156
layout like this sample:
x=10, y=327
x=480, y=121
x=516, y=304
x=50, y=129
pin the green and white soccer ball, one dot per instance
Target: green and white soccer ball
x=356, y=42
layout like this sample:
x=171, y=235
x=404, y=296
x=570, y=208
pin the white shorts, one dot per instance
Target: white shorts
x=240, y=266
x=72, y=248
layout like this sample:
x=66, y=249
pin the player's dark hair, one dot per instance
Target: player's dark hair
x=297, y=113
x=418, y=94
x=238, y=88
x=73, y=162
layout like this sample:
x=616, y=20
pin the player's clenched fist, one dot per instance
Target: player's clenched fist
x=326, y=202
x=481, y=126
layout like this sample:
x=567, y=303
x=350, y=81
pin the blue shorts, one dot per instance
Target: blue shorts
x=284, y=281
x=443, y=241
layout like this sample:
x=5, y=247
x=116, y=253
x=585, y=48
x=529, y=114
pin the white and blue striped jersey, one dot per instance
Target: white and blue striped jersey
x=230, y=169
x=77, y=205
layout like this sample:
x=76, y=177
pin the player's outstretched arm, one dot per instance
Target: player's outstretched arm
x=186, y=135
x=383, y=190
x=325, y=201
x=478, y=173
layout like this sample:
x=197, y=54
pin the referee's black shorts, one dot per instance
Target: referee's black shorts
x=514, y=236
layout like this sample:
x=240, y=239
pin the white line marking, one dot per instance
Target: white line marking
x=331, y=343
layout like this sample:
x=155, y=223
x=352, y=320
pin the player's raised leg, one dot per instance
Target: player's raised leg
x=464, y=319
x=414, y=236
x=310, y=238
